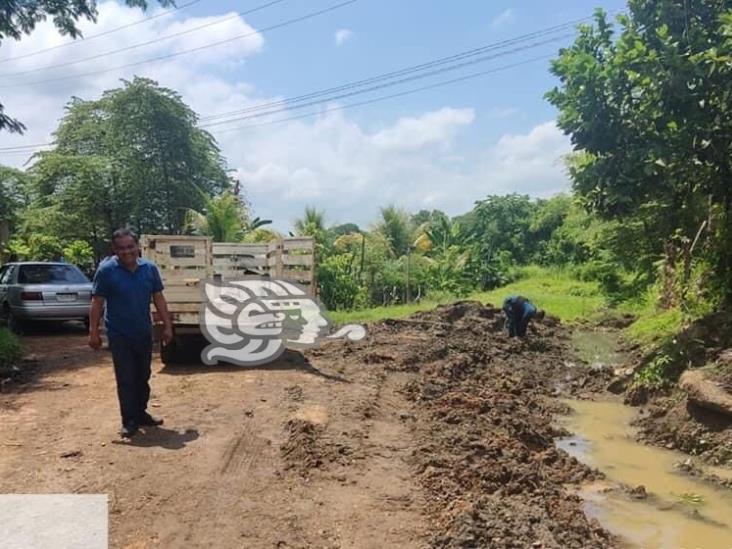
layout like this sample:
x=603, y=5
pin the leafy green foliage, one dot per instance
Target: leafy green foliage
x=222, y=220
x=656, y=373
x=396, y=227
x=648, y=111
x=79, y=253
x=18, y=18
x=10, y=349
x=134, y=157
x=338, y=288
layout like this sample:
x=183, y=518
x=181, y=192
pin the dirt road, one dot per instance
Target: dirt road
x=435, y=431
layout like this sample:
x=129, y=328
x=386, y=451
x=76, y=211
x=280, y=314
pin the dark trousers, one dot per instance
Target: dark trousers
x=516, y=327
x=131, y=359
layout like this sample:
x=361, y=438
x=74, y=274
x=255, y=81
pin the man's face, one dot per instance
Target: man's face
x=126, y=250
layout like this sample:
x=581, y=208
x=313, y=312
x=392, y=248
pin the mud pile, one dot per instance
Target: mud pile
x=482, y=413
x=671, y=419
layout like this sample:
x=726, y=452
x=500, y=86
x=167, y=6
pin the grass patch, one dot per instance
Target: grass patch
x=375, y=314
x=656, y=329
x=553, y=290
x=10, y=350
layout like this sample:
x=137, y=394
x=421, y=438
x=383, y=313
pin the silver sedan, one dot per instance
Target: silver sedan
x=43, y=291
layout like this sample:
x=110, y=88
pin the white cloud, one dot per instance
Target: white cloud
x=343, y=35
x=330, y=161
x=528, y=163
x=334, y=164
x=409, y=134
x=506, y=17
x=40, y=104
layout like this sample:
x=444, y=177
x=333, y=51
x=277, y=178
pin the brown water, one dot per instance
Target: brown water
x=679, y=512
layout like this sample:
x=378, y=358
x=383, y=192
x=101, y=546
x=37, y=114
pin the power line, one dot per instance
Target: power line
x=401, y=72
x=387, y=84
x=371, y=101
x=85, y=39
x=285, y=105
x=392, y=96
x=192, y=50
x=142, y=44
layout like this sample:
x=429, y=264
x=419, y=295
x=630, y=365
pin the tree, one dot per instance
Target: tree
x=133, y=157
x=311, y=224
x=18, y=18
x=223, y=218
x=395, y=225
x=13, y=196
x=649, y=115
x=501, y=223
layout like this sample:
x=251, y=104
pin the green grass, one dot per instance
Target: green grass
x=653, y=328
x=554, y=290
x=380, y=313
x=10, y=351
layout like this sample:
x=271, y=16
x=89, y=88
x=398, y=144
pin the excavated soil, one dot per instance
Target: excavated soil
x=434, y=431
x=671, y=420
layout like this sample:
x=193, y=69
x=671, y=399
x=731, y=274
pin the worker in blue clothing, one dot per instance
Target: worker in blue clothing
x=519, y=312
x=123, y=287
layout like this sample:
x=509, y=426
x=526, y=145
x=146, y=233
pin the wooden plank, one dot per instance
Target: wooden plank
x=243, y=261
x=183, y=294
x=147, y=238
x=297, y=276
x=304, y=260
x=201, y=260
x=184, y=307
x=224, y=248
x=298, y=244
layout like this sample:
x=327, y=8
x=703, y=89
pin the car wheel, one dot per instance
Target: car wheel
x=86, y=323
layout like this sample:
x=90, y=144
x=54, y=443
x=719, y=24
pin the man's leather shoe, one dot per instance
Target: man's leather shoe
x=149, y=421
x=128, y=431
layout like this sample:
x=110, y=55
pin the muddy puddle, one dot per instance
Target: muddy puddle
x=644, y=499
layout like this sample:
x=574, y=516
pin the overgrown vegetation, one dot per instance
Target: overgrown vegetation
x=10, y=350
x=646, y=229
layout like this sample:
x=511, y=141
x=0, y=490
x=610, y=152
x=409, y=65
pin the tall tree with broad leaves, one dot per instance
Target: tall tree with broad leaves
x=19, y=17
x=648, y=109
x=133, y=157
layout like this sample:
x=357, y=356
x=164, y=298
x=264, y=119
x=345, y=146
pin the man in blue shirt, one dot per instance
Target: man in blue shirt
x=519, y=312
x=126, y=283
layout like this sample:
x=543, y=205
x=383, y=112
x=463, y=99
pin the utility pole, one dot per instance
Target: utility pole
x=409, y=269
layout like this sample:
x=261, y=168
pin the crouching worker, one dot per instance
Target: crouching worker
x=126, y=283
x=519, y=312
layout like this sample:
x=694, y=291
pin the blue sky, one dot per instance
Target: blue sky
x=442, y=148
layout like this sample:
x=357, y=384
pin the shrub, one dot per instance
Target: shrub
x=10, y=350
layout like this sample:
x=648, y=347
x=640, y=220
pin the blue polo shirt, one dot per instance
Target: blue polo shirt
x=527, y=311
x=127, y=295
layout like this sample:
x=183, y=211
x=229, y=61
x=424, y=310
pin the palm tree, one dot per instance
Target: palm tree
x=311, y=224
x=396, y=227
x=223, y=218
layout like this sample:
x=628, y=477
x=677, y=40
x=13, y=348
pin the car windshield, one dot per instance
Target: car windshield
x=50, y=274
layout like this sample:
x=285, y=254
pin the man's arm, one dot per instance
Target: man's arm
x=162, y=307
x=95, y=315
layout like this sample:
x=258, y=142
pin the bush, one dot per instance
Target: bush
x=10, y=350
x=339, y=288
